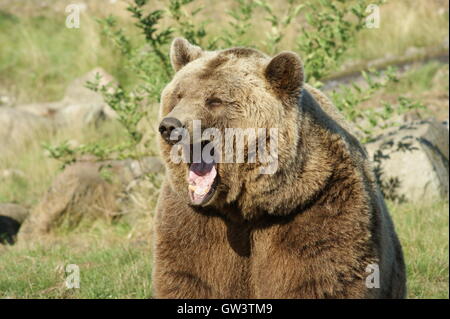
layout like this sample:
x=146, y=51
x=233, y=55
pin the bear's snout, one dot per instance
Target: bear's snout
x=167, y=126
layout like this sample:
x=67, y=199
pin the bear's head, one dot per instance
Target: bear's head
x=214, y=99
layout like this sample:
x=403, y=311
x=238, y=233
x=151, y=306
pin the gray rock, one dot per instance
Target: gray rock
x=45, y=109
x=80, y=105
x=137, y=168
x=78, y=94
x=77, y=90
x=79, y=192
x=85, y=190
x=78, y=115
x=17, y=126
x=415, y=158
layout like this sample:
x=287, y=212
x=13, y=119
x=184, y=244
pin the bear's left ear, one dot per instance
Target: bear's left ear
x=285, y=73
x=182, y=52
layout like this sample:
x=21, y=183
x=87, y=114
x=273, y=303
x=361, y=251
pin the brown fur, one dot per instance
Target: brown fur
x=307, y=231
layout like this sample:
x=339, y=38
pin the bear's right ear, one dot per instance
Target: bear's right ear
x=285, y=73
x=182, y=52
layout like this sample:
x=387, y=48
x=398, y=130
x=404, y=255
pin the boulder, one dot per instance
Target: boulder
x=79, y=107
x=17, y=126
x=77, y=90
x=85, y=190
x=78, y=94
x=78, y=115
x=11, y=217
x=412, y=161
x=44, y=109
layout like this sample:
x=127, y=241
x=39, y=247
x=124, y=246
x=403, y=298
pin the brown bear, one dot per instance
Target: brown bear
x=316, y=227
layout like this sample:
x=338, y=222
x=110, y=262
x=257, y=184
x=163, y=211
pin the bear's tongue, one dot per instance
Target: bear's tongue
x=201, y=178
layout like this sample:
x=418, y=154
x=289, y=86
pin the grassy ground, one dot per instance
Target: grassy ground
x=404, y=24
x=423, y=231
x=426, y=83
x=111, y=265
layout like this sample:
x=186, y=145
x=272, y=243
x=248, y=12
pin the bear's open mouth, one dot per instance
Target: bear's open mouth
x=202, y=182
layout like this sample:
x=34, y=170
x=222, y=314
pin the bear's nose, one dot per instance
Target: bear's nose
x=168, y=124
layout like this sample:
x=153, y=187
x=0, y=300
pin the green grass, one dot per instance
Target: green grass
x=111, y=266
x=424, y=234
x=42, y=53
x=426, y=83
x=420, y=79
x=404, y=24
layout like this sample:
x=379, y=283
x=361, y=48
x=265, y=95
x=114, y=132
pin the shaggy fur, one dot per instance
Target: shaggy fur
x=308, y=231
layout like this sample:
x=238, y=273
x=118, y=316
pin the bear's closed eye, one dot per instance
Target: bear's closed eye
x=214, y=102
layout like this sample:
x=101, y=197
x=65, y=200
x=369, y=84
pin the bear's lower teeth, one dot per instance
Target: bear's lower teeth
x=198, y=190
